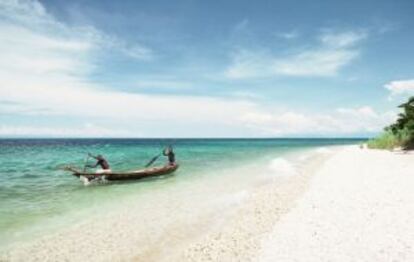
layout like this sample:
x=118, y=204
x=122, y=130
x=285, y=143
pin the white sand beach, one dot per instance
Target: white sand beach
x=337, y=204
x=359, y=207
x=206, y=131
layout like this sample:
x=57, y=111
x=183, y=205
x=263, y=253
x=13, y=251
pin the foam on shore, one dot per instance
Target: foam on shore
x=282, y=167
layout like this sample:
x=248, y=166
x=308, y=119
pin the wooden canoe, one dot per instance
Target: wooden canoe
x=127, y=175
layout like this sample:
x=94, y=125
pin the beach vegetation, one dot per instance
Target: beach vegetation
x=400, y=133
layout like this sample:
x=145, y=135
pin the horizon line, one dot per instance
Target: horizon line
x=182, y=138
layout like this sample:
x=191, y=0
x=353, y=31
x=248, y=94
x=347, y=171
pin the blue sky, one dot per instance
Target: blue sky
x=203, y=68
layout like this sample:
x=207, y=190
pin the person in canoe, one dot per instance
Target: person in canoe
x=168, y=152
x=100, y=161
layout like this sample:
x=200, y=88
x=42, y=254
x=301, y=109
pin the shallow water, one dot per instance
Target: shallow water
x=36, y=198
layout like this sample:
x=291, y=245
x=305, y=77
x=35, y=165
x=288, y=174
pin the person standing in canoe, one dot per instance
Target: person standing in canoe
x=168, y=152
x=101, y=161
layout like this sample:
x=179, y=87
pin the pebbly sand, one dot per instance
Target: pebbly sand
x=340, y=204
x=240, y=239
x=359, y=207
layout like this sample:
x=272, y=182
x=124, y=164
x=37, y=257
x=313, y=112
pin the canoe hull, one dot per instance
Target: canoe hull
x=129, y=175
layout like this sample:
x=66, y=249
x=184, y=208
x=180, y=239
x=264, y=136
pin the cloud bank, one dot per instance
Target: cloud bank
x=400, y=87
x=341, y=121
x=45, y=68
x=333, y=52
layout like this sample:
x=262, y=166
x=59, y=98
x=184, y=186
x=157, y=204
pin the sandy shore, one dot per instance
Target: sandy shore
x=336, y=204
x=359, y=207
x=240, y=238
x=226, y=227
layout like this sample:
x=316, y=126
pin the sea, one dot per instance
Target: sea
x=38, y=198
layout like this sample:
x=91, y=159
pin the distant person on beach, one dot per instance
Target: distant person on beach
x=101, y=161
x=170, y=154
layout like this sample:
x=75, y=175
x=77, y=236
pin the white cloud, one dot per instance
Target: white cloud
x=314, y=63
x=27, y=52
x=242, y=117
x=343, y=121
x=342, y=39
x=248, y=64
x=364, y=111
x=25, y=11
x=334, y=51
x=87, y=130
x=28, y=24
x=43, y=72
x=400, y=87
x=78, y=100
x=136, y=50
x=126, y=111
x=164, y=84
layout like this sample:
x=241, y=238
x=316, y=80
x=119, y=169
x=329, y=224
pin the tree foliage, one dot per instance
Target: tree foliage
x=403, y=128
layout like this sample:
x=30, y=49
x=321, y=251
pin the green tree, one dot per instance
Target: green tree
x=403, y=128
x=399, y=134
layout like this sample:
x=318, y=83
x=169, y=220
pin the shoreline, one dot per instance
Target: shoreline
x=240, y=238
x=117, y=234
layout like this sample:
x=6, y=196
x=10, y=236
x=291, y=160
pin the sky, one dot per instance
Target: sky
x=230, y=68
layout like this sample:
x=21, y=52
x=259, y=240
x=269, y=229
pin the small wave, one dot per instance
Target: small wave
x=323, y=150
x=282, y=167
x=87, y=182
x=84, y=180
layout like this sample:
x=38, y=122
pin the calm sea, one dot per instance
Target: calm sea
x=37, y=197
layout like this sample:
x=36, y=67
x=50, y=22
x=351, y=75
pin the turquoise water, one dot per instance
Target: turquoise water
x=35, y=195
